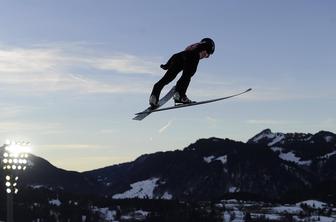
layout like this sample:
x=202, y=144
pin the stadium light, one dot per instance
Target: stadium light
x=15, y=156
x=14, y=162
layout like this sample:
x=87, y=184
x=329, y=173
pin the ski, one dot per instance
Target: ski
x=193, y=104
x=149, y=110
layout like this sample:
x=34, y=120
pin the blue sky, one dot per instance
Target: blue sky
x=73, y=73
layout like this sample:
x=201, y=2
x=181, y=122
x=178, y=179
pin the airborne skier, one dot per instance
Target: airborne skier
x=187, y=61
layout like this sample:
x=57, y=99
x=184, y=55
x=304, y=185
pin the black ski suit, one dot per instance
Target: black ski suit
x=187, y=61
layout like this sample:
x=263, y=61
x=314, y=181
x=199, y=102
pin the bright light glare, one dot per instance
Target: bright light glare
x=16, y=148
x=8, y=190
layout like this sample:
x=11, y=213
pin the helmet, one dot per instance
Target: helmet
x=209, y=45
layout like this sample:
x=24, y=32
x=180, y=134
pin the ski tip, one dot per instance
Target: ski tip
x=138, y=117
x=249, y=89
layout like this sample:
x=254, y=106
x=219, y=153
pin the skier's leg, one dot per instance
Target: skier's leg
x=166, y=79
x=175, y=67
x=183, y=83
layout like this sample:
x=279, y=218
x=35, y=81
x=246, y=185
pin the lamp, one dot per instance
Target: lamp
x=14, y=162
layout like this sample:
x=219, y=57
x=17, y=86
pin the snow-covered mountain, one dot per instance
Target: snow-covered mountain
x=291, y=166
x=269, y=165
x=299, y=148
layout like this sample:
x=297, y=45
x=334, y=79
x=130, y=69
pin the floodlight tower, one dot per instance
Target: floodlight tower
x=14, y=162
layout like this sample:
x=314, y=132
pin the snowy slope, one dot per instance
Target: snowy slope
x=141, y=189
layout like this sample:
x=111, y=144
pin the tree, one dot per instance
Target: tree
x=247, y=217
x=232, y=216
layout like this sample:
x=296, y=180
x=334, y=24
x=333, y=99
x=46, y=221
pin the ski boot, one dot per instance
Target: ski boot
x=181, y=99
x=153, y=101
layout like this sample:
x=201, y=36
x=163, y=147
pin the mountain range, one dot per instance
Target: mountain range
x=269, y=166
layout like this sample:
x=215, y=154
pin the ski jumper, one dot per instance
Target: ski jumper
x=187, y=61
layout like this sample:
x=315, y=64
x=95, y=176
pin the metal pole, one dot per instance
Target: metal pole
x=10, y=214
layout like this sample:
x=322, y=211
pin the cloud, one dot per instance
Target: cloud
x=165, y=127
x=212, y=121
x=71, y=146
x=21, y=60
x=15, y=127
x=126, y=63
x=8, y=110
x=54, y=68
